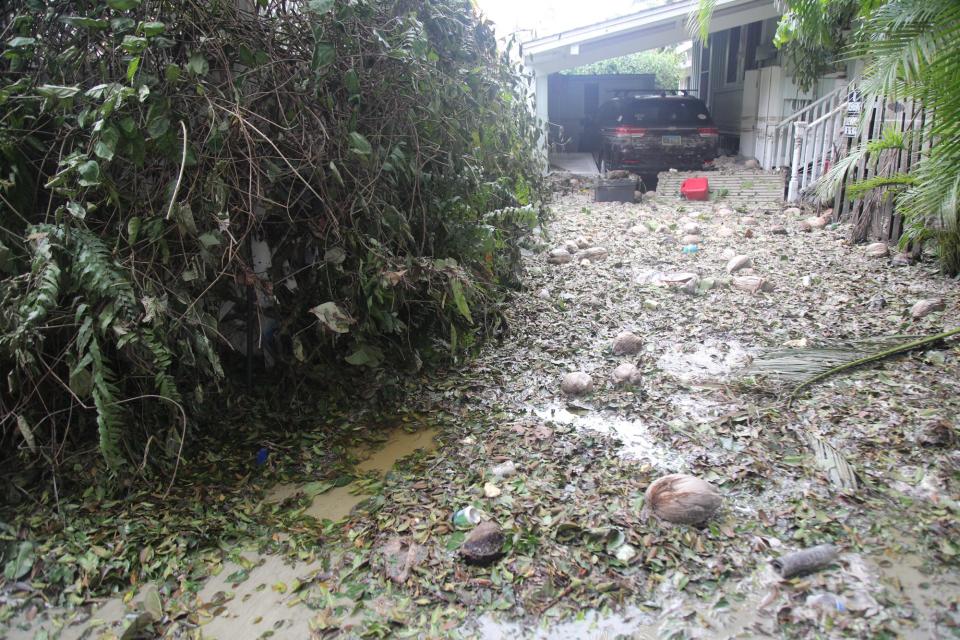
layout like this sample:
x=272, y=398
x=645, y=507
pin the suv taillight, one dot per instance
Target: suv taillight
x=709, y=132
x=633, y=132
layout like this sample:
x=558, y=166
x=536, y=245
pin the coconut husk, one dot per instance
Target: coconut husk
x=626, y=373
x=627, y=343
x=926, y=307
x=559, y=256
x=752, y=284
x=877, y=250
x=682, y=499
x=739, y=262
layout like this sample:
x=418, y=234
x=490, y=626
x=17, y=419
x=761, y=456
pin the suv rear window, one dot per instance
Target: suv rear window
x=654, y=112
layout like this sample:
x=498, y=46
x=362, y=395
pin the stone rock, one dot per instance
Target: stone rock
x=926, y=307
x=399, y=557
x=736, y=263
x=752, y=284
x=577, y=383
x=691, y=229
x=626, y=373
x=638, y=195
x=627, y=343
x=682, y=499
x=877, y=302
x=877, y=250
x=638, y=230
x=902, y=260
x=725, y=232
x=690, y=240
x=559, y=256
x=792, y=211
x=585, y=262
x=751, y=164
x=778, y=230
x=483, y=544
x=592, y=253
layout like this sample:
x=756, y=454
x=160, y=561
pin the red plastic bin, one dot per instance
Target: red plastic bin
x=695, y=189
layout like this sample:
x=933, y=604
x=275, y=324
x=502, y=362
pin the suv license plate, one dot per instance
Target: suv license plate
x=671, y=140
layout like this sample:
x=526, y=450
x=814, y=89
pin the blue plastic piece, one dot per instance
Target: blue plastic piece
x=262, y=456
x=690, y=248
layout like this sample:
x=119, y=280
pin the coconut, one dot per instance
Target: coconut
x=691, y=228
x=752, y=284
x=592, y=253
x=682, y=499
x=626, y=373
x=559, y=256
x=877, y=250
x=689, y=239
x=576, y=383
x=926, y=307
x=805, y=226
x=902, y=260
x=817, y=222
x=483, y=544
x=627, y=343
x=738, y=262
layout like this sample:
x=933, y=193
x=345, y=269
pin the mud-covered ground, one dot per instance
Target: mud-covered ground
x=581, y=559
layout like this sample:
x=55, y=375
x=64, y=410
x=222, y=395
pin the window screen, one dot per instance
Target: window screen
x=733, y=51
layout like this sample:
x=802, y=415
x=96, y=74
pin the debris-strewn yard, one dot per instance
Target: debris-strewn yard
x=867, y=460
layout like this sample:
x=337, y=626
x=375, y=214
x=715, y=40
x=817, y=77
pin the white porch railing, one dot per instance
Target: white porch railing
x=784, y=132
x=812, y=149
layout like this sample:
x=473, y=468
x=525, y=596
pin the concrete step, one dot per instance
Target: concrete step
x=749, y=187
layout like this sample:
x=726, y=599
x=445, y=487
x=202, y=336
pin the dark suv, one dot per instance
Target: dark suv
x=648, y=134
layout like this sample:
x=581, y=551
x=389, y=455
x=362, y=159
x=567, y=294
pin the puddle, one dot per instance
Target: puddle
x=638, y=443
x=934, y=599
x=104, y=618
x=261, y=603
x=337, y=503
x=711, y=360
x=632, y=623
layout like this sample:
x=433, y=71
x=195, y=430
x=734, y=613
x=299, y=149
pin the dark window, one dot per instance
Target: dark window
x=733, y=49
x=655, y=112
x=754, y=30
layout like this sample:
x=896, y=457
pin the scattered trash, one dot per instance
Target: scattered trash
x=627, y=343
x=838, y=470
x=877, y=302
x=805, y=560
x=690, y=240
x=262, y=455
x=467, y=517
x=682, y=499
x=690, y=248
x=484, y=544
x=576, y=383
x=826, y=602
x=592, y=253
x=491, y=490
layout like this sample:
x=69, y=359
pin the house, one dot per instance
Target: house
x=738, y=72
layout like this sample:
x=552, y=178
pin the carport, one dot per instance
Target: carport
x=737, y=72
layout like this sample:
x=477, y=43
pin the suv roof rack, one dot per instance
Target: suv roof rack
x=663, y=93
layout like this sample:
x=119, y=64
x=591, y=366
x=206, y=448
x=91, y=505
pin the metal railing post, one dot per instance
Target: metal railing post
x=799, y=136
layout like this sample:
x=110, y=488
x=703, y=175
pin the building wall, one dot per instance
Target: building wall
x=573, y=97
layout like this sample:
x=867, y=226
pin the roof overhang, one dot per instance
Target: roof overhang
x=649, y=29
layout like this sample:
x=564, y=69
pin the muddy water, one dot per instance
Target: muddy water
x=249, y=596
x=713, y=359
x=632, y=623
x=337, y=503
